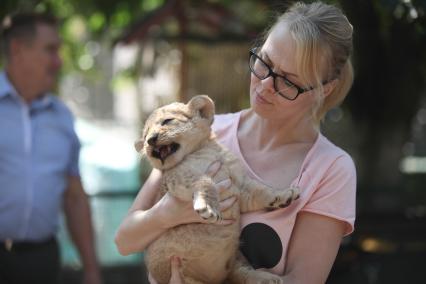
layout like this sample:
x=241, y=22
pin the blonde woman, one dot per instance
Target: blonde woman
x=301, y=71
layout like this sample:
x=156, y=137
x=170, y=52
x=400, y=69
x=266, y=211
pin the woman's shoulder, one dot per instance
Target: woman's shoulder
x=327, y=147
x=328, y=151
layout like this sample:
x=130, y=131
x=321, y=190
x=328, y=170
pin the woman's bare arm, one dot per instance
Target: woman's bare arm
x=140, y=227
x=313, y=248
x=149, y=216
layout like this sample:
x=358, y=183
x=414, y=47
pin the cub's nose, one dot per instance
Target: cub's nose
x=153, y=139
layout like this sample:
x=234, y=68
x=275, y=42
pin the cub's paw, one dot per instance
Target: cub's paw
x=206, y=211
x=284, y=198
x=263, y=277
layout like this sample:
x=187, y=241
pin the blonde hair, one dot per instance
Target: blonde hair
x=323, y=38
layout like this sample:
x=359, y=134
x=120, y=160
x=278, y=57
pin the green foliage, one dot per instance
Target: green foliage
x=389, y=53
x=84, y=21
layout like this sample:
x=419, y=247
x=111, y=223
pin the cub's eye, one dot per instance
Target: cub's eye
x=166, y=121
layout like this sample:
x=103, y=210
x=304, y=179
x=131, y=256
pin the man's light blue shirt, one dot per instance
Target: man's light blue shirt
x=38, y=151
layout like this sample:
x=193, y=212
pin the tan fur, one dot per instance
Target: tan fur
x=208, y=251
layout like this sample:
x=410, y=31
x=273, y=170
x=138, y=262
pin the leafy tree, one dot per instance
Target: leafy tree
x=389, y=59
x=83, y=21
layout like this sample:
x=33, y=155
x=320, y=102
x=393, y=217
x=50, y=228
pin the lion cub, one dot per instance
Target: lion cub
x=177, y=140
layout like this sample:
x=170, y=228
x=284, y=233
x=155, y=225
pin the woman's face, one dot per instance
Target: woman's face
x=280, y=54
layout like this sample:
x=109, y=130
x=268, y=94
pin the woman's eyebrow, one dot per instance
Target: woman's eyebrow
x=281, y=71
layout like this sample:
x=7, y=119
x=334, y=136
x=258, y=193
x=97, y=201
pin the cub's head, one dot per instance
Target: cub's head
x=176, y=130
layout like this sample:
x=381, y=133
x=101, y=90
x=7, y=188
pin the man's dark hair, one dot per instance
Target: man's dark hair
x=23, y=26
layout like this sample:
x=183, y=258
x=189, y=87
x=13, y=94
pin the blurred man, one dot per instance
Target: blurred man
x=38, y=159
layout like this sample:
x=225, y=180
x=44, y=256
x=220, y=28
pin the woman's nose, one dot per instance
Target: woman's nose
x=268, y=83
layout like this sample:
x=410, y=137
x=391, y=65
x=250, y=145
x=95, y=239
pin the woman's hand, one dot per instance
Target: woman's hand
x=176, y=276
x=174, y=211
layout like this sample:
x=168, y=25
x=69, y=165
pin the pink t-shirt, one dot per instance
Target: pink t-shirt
x=327, y=180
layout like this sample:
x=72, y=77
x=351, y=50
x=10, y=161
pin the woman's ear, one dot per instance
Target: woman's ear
x=204, y=105
x=329, y=87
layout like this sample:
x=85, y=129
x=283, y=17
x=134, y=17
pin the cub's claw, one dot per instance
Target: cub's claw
x=285, y=198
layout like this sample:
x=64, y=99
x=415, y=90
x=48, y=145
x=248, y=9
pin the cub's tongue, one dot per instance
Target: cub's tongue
x=164, y=151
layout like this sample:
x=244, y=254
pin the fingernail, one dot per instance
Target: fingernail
x=177, y=260
x=231, y=198
x=216, y=165
x=227, y=182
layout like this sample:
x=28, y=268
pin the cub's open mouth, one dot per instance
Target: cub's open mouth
x=163, y=151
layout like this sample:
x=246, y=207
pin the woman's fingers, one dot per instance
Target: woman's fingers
x=223, y=185
x=227, y=203
x=225, y=222
x=176, y=277
x=213, y=168
x=151, y=279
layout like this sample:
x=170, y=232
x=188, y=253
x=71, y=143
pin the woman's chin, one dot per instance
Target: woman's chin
x=261, y=111
x=259, y=105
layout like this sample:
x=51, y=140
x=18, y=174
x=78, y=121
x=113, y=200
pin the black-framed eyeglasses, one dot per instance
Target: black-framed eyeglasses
x=283, y=86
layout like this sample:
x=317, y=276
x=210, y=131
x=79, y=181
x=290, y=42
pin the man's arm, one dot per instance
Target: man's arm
x=79, y=224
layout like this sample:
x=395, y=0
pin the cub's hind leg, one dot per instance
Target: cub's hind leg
x=243, y=273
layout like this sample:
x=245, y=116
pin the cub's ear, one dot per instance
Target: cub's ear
x=204, y=105
x=139, y=145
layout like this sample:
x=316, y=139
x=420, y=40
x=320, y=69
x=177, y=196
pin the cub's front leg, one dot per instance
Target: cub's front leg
x=188, y=186
x=206, y=200
x=256, y=196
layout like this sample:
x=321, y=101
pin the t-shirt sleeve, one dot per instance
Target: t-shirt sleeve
x=67, y=123
x=335, y=195
x=73, y=167
x=75, y=145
